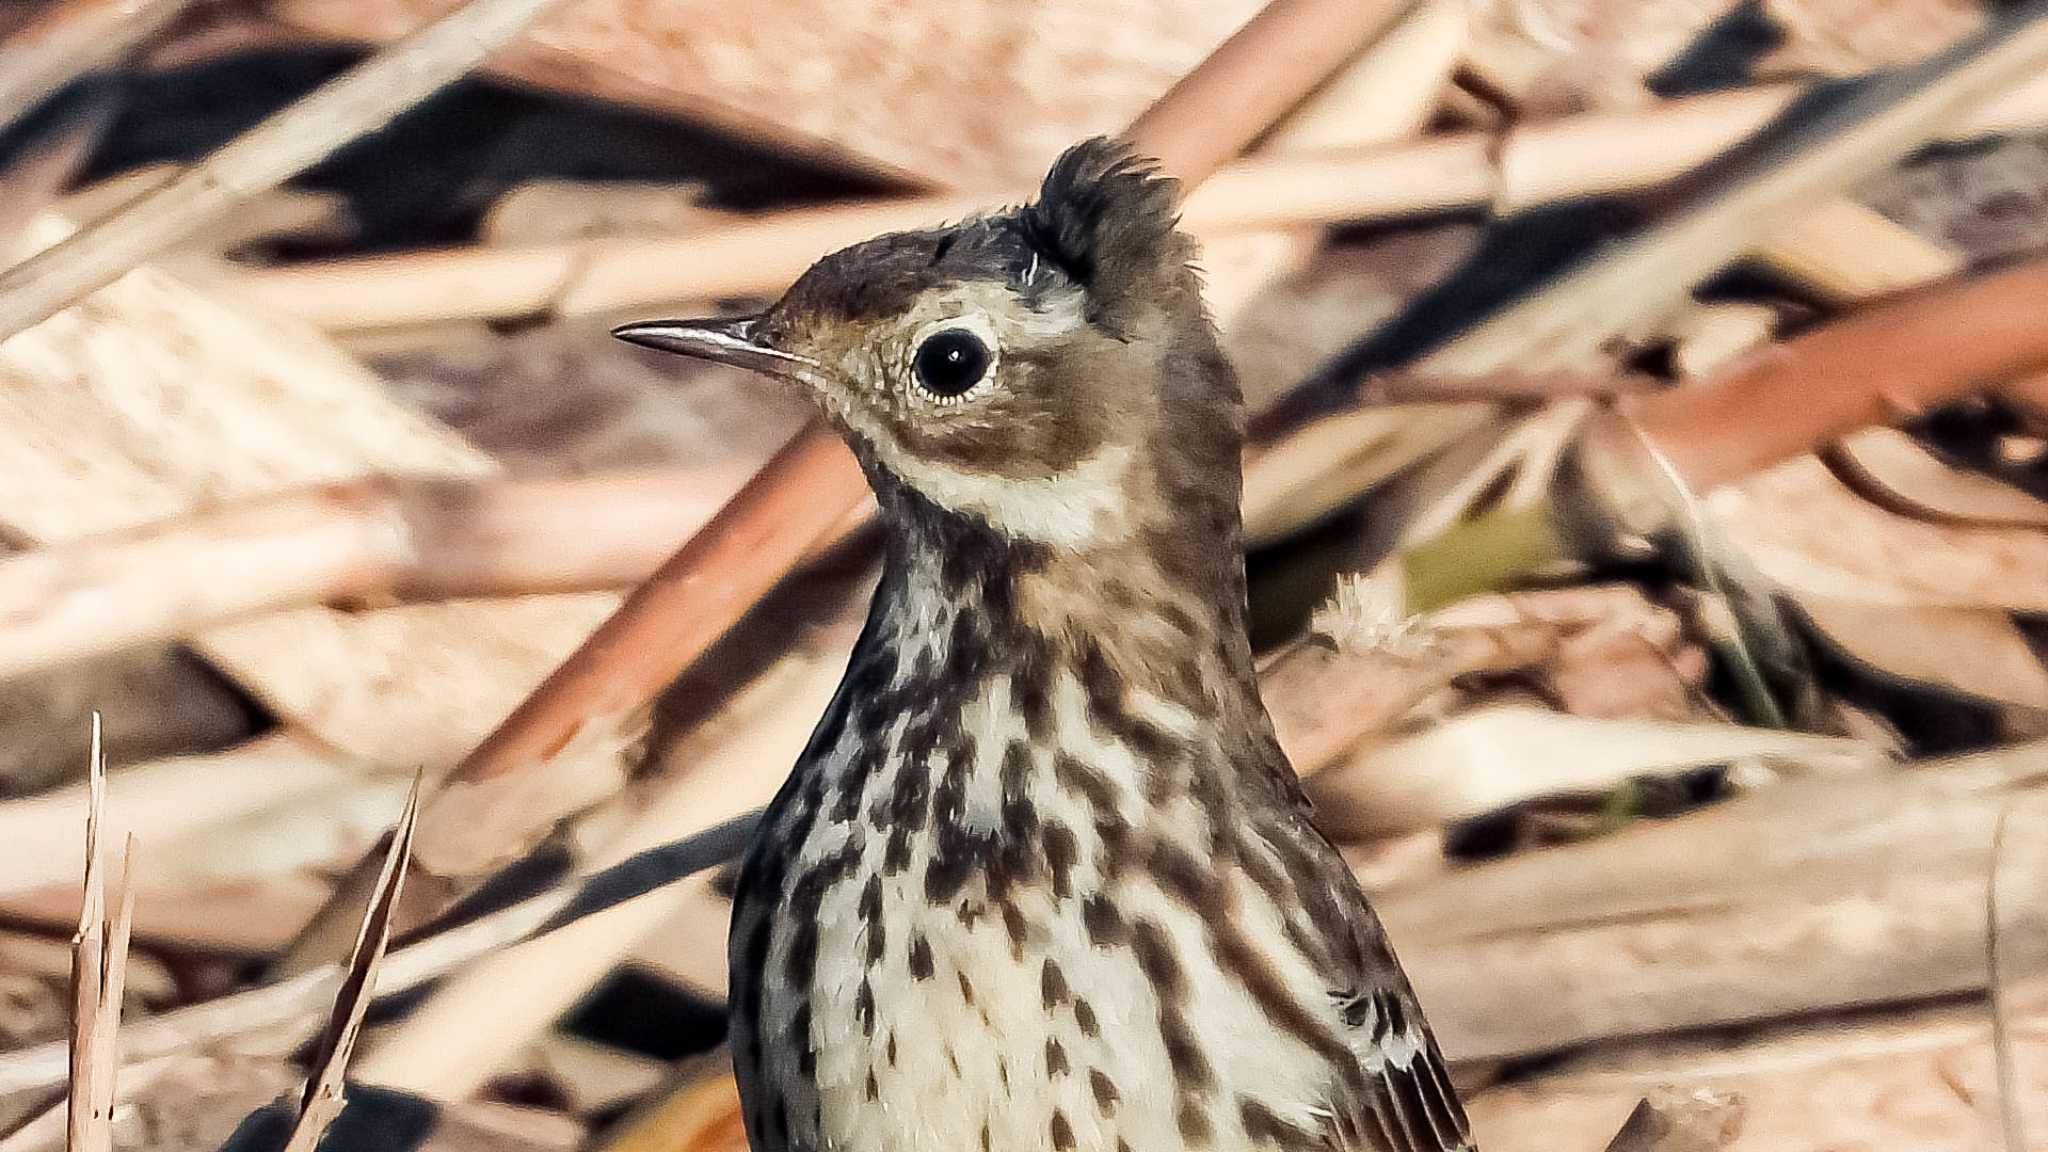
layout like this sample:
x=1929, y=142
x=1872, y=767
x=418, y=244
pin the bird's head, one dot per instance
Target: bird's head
x=1048, y=372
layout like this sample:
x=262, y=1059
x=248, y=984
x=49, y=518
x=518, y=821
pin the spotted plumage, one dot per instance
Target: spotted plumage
x=1043, y=878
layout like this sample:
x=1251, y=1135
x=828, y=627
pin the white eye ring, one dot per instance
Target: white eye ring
x=974, y=324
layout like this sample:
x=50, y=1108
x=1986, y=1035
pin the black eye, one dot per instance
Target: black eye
x=951, y=362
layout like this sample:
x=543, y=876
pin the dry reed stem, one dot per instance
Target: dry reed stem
x=283, y=145
x=1644, y=280
x=362, y=541
x=70, y=39
x=759, y=256
x=99, y=959
x=1995, y=995
x=323, y=1099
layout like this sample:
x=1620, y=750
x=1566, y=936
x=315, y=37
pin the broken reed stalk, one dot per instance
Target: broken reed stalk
x=363, y=541
x=1674, y=1124
x=756, y=257
x=99, y=965
x=322, y=1101
x=287, y=143
x=805, y=493
x=1845, y=253
x=69, y=39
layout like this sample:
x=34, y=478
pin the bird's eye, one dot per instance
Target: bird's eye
x=951, y=361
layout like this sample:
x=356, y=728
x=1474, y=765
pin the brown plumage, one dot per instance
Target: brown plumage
x=1043, y=877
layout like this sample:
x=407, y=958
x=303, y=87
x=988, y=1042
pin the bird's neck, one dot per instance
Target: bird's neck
x=1156, y=618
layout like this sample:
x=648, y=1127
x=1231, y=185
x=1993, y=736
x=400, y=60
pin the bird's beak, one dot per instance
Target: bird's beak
x=736, y=342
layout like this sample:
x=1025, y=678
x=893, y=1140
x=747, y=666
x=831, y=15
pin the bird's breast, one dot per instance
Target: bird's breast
x=1005, y=942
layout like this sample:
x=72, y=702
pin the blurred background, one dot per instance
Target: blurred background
x=1647, y=513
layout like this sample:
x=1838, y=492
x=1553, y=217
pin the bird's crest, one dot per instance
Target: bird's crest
x=1106, y=218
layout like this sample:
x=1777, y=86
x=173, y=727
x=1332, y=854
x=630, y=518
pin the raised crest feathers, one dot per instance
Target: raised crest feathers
x=1106, y=217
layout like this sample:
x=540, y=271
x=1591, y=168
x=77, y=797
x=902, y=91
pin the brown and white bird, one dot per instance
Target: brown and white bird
x=1043, y=879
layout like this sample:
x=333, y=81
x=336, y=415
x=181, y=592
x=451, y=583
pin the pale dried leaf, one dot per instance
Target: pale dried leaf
x=183, y=805
x=1913, y=481
x=975, y=94
x=1975, y=651
x=150, y=399
x=1910, y=1077
x=1328, y=464
x=1494, y=757
x=1803, y=529
x=1848, y=37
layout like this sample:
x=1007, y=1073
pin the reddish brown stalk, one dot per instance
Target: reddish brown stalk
x=812, y=486
x=1879, y=365
x=1217, y=110
x=685, y=606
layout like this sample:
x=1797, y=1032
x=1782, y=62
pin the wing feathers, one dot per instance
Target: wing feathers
x=1410, y=1098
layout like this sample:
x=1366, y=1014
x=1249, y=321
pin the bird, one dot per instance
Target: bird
x=1043, y=879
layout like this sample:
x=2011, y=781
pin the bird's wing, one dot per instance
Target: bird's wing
x=1408, y=1104
x=1398, y=1095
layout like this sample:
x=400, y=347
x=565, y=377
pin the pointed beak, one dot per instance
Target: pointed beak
x=736, y=342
